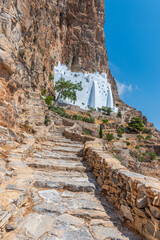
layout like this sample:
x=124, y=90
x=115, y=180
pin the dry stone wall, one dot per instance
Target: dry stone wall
x=75, y=133
x=135, y=195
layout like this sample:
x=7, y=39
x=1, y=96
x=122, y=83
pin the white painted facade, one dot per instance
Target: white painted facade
x=96, y=90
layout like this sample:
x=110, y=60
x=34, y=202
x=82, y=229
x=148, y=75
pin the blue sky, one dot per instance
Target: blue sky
x=132, y=31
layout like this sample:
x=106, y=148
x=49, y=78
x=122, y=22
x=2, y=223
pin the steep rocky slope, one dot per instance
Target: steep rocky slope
x=35, y=35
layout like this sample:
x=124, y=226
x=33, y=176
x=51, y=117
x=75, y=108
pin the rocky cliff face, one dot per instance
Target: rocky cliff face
x=35, y=35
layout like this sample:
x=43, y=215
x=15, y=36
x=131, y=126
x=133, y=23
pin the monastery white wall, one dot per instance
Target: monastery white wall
x=96, y=90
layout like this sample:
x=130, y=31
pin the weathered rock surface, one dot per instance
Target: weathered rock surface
x=35, y=35
x=62, y=203
x=135, y=195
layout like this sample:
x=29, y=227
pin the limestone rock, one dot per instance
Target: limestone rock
x=36, y=224
x=75, y=36
x=127, y=213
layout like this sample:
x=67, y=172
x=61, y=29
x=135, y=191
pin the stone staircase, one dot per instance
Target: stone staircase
x=64, y=201
x=49, y=193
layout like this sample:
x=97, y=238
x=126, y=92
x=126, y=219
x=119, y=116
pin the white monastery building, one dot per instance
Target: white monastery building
x=96, y=90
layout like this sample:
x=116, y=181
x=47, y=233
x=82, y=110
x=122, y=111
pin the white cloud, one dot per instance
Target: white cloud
x=114, y=68
x=123, y=89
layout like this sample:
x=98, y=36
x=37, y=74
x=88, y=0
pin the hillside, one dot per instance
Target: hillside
x=67, y=172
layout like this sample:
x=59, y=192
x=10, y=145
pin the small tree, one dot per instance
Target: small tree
x=119, y=114
x=51, y=77
x=67, y=89
x=136, y=124
x=109, y=137
x=49, y=100
x=101, y=131
x=152, y=155
x=105, y=121
x=91, y=109
x=107, y=110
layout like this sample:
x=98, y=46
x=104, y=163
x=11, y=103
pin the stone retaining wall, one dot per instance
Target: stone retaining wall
x=135, y=195
x=74, y=133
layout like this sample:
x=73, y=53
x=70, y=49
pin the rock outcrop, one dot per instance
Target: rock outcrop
x=35, y=35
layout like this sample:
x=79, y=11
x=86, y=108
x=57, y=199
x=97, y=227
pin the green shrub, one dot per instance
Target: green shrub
x=152, y=155
x=101, y=131
x=147, y=131
x=86, y=132
x=109, y=137
x=118, y=158
x=140, y=137
x=137, y=147
x=123, y=130
x=99, y=109
x=43, y=92
x=60, y=111
x=68, y=116
x=119, y=135
x=148, y=137
x=67, y=61
x=128, y=143
x=136, y=124
x=50, y=76
x=105, y=121
x=49, y=100
x=120, y=131
x=47, y=121
x=119, y=114
x=83, y=119
x=141, y=158
x=91, y=109
x=77, y=117
x=106, y=110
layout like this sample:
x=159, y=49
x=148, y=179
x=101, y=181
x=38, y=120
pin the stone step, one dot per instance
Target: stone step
x=89, y=214
x=58, y=139
x=51, y=154
x=66, y=184
x=62, y=149
x=72, y=181
x=49, y=174
x=60, y=165
x=54, y=157
x=62, y=144
x=61, y=202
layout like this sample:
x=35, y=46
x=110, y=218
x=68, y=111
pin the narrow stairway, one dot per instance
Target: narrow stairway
x=65, y=202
